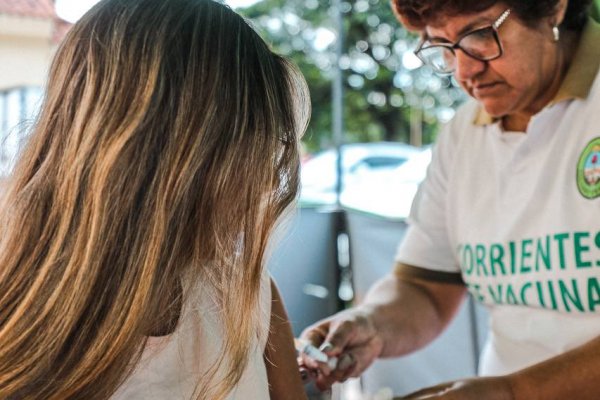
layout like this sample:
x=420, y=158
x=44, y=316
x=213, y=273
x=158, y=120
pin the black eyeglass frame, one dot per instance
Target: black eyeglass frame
x=456, y=45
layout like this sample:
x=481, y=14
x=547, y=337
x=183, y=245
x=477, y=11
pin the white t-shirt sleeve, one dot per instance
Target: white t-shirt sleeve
x=427, y=243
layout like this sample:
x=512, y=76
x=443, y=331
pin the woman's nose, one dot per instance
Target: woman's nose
x=467, y=67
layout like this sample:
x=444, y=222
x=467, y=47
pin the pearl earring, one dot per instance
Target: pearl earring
x=556, y=33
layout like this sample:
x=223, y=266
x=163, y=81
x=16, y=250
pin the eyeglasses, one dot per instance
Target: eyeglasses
x=481, y=44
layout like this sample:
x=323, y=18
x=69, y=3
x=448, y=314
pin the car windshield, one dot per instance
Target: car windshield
x=378, y=178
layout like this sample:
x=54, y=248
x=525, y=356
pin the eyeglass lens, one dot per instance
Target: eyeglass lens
x=481, y=44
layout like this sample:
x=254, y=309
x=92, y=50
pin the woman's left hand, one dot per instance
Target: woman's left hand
x=493, y=388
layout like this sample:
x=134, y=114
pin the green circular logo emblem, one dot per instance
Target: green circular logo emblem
x=588, y=170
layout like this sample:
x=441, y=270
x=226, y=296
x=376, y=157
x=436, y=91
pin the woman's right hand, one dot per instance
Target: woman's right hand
x=351, y=337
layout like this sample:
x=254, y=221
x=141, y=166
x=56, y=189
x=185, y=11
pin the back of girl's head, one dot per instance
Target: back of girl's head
x=167, y=145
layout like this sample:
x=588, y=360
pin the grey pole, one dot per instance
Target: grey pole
x=338, y=97
x=342, y=241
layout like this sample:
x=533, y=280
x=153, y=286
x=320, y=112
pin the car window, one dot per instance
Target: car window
x=378, y=162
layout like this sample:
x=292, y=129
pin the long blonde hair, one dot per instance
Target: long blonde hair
x=166, y=146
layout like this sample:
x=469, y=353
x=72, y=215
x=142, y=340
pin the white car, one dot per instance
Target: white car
x=360, y=163
x=389, y=193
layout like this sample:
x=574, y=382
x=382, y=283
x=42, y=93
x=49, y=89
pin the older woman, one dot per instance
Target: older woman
x=509, y=209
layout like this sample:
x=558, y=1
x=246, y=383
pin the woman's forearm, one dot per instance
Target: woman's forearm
x=409, y=314
x=571, y=375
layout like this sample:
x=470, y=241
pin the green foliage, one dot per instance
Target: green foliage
x=595, y=12
x=381, y=87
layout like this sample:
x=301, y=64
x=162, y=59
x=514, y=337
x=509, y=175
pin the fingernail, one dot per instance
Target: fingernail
x=304, y=375
x=326, y=347
x=345, y=362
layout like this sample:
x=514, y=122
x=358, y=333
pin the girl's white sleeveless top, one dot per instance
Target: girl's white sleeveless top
x=171, y=366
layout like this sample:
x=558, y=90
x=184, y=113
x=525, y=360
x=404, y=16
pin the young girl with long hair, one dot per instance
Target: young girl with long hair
x=133, y=228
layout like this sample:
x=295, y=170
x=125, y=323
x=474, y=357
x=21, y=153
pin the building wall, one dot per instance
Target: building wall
x=26, y=50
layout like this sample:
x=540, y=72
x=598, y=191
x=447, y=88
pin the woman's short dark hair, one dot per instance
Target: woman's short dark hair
x=416, y=14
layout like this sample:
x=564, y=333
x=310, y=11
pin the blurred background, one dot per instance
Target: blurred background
x=386, y=96
x=375, y=114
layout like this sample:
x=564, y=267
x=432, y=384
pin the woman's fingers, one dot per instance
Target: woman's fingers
x=316, y=334
x=307, y=375
x=366, y=355
x=348, y=337
x=339, y=338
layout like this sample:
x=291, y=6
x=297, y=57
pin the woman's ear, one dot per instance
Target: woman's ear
x=559, y=14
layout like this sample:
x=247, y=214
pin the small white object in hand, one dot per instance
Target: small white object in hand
x=304, y=346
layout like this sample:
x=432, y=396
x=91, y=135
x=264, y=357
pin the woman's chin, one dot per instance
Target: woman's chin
x=494, y=108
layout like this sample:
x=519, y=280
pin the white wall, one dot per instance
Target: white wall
x=26, y=49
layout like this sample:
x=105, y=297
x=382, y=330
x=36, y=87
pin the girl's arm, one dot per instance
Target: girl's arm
x=280, y=355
